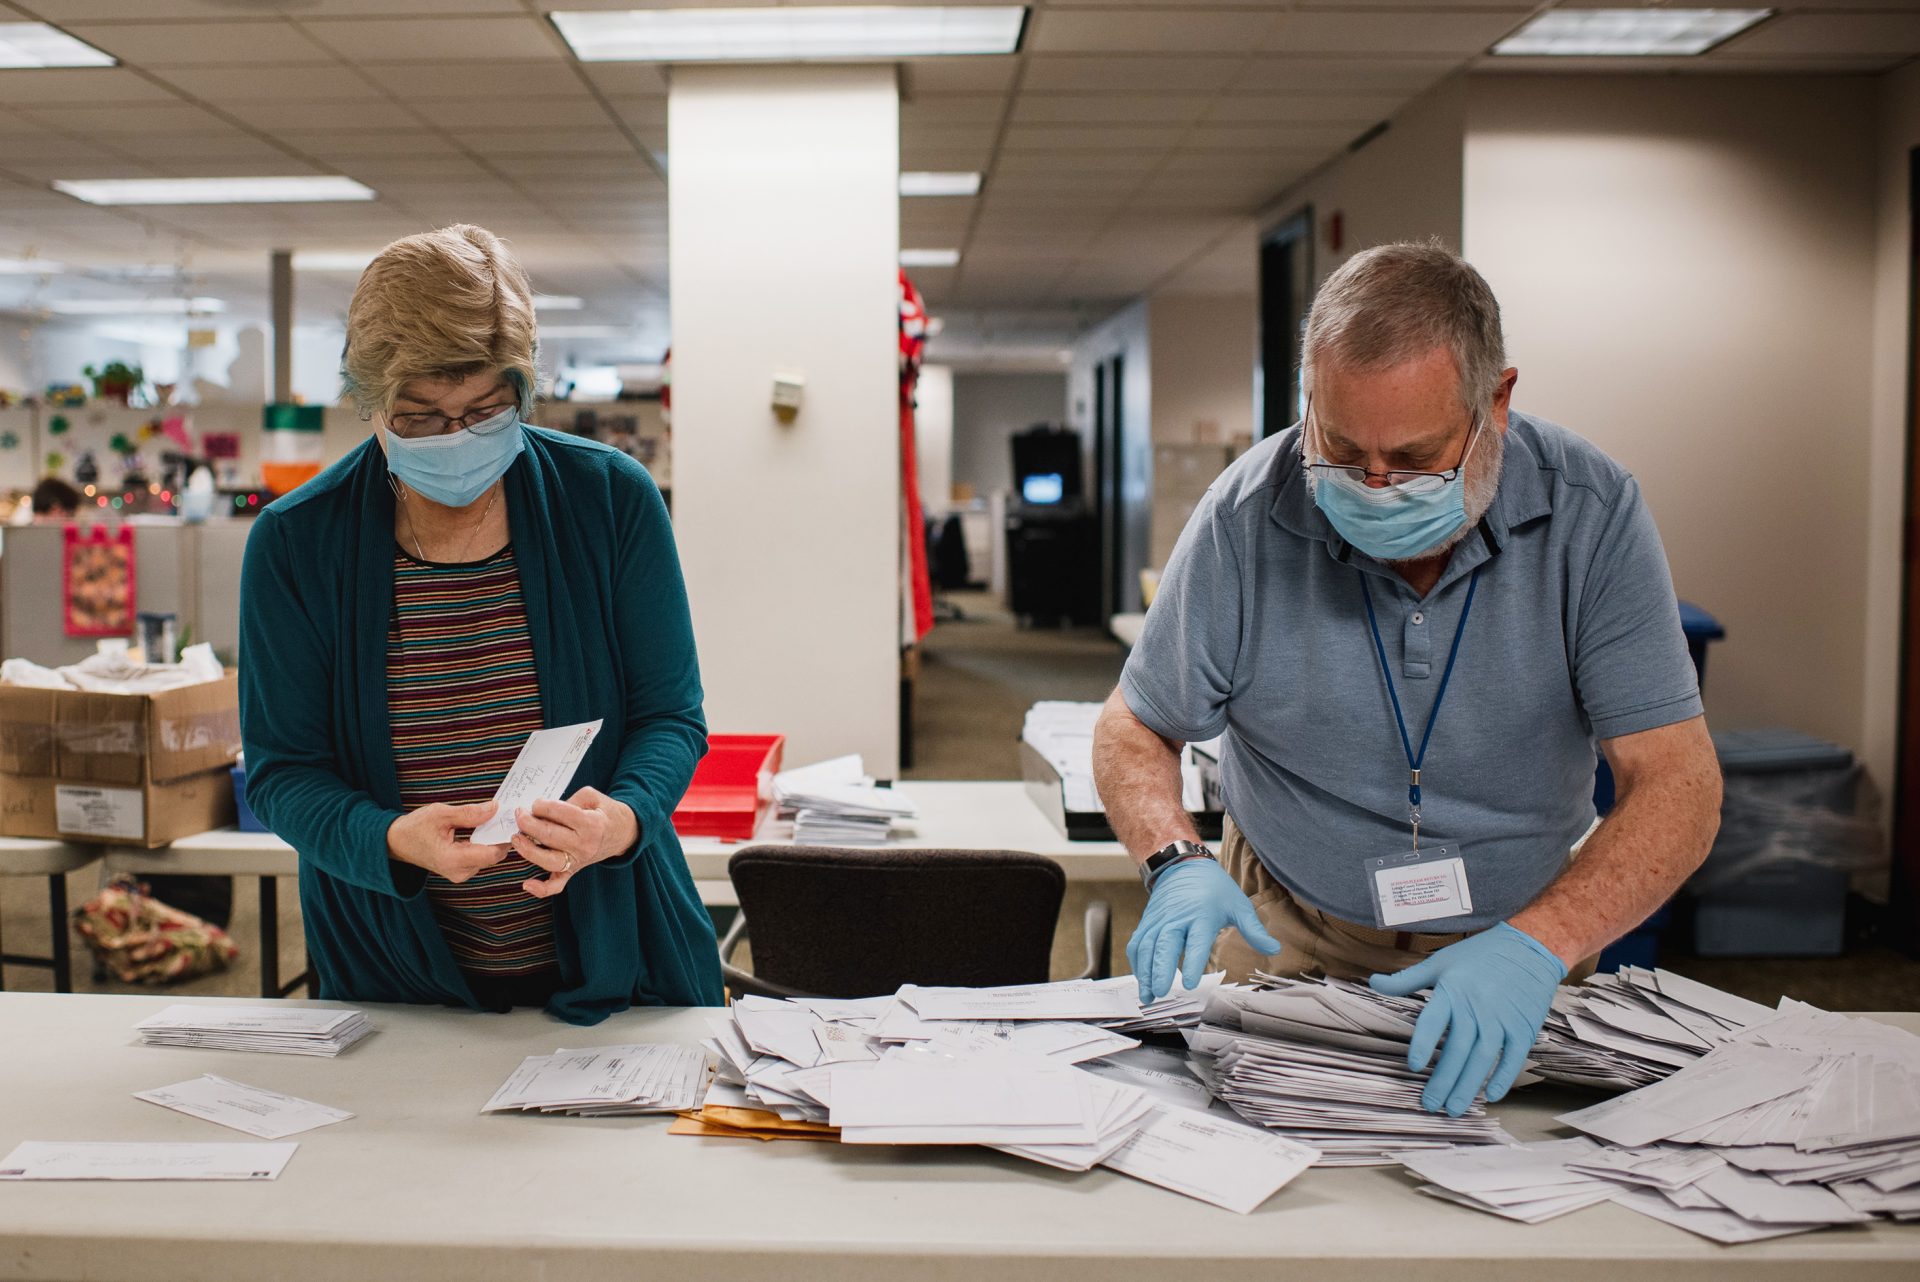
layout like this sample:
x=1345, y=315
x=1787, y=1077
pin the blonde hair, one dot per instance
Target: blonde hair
x=441, y=305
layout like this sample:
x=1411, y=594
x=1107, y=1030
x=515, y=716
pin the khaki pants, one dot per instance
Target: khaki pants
x=1315, y=942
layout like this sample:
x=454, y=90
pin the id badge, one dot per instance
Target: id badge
x=1419, y=885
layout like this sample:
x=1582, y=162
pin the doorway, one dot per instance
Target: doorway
x=1286, y=291
x=1109, y=506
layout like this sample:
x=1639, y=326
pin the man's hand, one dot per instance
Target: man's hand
x=1491, y=994
x=427, y=838
x=562, y=837
x=1192, y=902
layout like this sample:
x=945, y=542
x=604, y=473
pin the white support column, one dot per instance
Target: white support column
x=785, y=231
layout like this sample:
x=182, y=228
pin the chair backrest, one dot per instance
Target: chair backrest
x=860, y=923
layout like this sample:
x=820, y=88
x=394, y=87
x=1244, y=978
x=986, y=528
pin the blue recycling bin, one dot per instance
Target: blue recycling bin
x=1642, y=946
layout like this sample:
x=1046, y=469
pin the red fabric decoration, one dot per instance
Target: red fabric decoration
x=913, y=343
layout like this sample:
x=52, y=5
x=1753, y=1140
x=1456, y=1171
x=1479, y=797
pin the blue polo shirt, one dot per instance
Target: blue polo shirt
x=1259, y=634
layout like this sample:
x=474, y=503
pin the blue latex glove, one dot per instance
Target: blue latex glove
x=1191, y=903
x=1491, y=994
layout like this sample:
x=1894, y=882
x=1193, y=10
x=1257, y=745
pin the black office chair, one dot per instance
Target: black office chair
x=831, y=922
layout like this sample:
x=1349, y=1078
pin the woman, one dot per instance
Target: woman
x=411, y=614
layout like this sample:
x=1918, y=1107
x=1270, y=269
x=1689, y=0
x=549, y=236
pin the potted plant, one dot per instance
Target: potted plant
x=115, y=380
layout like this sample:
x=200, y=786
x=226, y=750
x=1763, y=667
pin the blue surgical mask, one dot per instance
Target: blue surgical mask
x=455, y=468
x=1393, y=522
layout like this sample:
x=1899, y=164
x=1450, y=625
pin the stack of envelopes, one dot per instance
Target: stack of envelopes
x=1325, y=1062
x=1804, y=1120
x=1633, y=1028
x=278, y=1030
x=606, y=1081
x=1025, y=1070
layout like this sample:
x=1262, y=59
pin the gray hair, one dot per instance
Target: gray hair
x=1393, y=303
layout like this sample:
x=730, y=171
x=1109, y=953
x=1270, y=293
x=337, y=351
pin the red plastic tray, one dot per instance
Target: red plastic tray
x=732, y=787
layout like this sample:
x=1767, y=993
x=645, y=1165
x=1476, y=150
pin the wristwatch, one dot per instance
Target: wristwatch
x=1175, y=852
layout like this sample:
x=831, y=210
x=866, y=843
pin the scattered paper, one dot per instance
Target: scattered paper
x=253, y=1109
x=42, y=1160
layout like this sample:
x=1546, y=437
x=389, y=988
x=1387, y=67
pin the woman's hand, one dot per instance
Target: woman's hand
x=427, y=838
x=563, y=837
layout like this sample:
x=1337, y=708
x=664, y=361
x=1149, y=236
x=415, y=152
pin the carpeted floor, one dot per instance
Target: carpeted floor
x=979, y=675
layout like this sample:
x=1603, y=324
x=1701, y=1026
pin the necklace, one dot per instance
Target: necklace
x=400, y=493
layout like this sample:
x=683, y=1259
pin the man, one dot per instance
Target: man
x=1411, y=616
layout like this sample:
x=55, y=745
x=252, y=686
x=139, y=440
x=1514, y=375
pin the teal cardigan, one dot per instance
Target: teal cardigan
x=612, y=638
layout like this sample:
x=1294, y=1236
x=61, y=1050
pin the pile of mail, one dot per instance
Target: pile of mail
x=1324, y=1062
x=606, y=1081
x=280, y=1030
x=1633, y=1028
x=836, y=803
x=1800, y=1121
x=1027, y=1070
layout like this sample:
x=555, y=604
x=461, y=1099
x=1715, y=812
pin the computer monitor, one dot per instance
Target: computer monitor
x=1043, y=487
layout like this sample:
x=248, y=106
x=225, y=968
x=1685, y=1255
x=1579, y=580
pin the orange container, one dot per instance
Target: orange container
x=732, y=787
x=280, y=478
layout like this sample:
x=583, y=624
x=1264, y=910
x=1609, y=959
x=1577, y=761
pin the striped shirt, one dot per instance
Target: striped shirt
x=462, y=697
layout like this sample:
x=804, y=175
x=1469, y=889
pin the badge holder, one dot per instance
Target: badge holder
x=1418, y=885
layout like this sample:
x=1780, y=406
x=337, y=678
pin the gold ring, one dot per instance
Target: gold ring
x=567, y=867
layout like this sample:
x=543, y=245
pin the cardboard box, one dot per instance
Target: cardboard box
x=126, y=769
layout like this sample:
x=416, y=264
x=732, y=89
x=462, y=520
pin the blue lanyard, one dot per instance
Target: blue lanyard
x=1379, y=648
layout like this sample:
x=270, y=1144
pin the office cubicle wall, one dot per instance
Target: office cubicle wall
x=191, y=570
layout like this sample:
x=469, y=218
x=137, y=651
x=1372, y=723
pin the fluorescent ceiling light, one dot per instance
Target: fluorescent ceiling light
x=213, y=191
x=929, y=257
x=927, y=183
x=557, y=303
x=135, y=306
x=331, y=260
x=1612, y=33
x=30, y=267
x=791, y=35
x=35, y=44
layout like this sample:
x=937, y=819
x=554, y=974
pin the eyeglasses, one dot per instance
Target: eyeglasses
x=1409, y=482
x=416, y=426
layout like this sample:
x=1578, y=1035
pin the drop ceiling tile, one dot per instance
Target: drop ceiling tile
x=512, y=112
x=1193, y=29
x=154, y=118
x=1084, y=109
x=1062, y=73
x=1340, y=75
x=369, y=111
x=231, y=145
x=440, y=79
x=222, y=85
x=332, y=143
x=1893, y=34
x=1135, y=138
x=425, y=40
x=948, y=137
x=980, y=73
x=646, y=113
x=81, y=85
x=965, y=160
x=190, y=44
x=65, y=11
x=1273, y=137
x=1015, y=167
x=634, y=78
x=1386, y=34
x=66, y=165
x=953, y=109
x=604, y=140
x=450, y=165
x=1303, y=108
